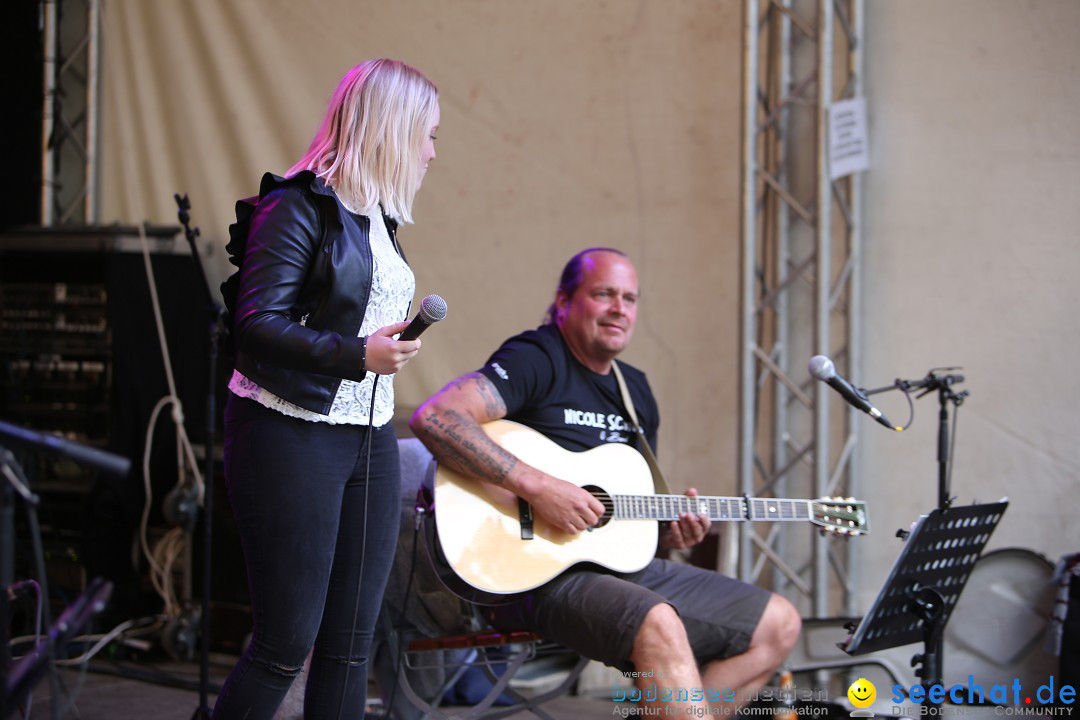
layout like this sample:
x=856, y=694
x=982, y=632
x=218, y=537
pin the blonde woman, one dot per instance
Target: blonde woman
x=311, y=460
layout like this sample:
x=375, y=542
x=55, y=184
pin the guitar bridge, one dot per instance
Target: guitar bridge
x=525, y=517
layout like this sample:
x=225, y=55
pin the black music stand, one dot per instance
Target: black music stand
x=924, y=585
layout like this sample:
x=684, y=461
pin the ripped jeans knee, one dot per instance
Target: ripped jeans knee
x=287, y=671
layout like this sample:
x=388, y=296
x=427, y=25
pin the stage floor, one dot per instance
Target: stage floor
x=170, y=691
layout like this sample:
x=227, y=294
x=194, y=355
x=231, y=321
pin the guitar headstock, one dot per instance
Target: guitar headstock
x=842, y=516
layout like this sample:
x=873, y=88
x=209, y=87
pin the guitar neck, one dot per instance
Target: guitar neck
x=663, y=508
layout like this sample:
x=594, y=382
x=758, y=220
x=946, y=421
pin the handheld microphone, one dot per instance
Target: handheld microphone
x=823, y=369
x=432, y=310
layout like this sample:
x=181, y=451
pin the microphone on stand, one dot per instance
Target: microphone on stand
x=432, y=310
x=823, y=369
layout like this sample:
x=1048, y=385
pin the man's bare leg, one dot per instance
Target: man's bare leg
x=662, y=649
x=739, y=676
x=662, y=652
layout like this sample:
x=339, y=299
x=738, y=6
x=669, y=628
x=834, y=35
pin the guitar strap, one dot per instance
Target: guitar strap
x=643, y=444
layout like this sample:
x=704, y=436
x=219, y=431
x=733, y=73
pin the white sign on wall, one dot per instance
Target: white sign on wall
x=849, y=148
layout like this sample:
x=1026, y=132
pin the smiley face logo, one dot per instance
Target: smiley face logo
x=862, y=693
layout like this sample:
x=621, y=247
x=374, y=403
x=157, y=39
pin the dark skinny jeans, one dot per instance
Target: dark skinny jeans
x=318, y=544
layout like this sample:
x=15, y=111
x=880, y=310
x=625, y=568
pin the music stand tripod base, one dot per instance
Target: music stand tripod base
x=925, y=583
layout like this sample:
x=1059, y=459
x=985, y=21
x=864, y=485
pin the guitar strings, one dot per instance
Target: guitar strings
x=669, y=507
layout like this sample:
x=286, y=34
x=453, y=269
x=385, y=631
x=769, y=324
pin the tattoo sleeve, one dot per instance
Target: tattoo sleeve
x=450, y=425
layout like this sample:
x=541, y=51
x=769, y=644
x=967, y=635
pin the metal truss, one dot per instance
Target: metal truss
x=800, y=292
x=70, y=118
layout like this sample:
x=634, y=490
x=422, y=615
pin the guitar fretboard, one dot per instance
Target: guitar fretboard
x=718, y=509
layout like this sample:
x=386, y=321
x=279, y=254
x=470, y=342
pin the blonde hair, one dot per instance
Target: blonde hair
x=368, y=147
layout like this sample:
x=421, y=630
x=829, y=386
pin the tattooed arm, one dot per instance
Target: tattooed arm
x=449, y=425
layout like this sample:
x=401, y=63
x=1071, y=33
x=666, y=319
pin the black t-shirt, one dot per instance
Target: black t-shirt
x=546, y=388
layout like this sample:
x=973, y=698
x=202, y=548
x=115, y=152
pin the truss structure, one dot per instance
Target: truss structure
x=800, y=291
x=70, y=118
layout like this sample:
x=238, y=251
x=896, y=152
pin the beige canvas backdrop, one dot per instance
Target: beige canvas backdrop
x=569, y=123
x=972, y=259
x=564, y=125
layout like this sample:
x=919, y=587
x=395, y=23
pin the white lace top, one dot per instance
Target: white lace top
x=392, y=288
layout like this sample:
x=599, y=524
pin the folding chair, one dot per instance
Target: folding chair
x=428, y=637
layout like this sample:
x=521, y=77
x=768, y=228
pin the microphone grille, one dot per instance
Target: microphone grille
x=432, y=309
x=821, y=367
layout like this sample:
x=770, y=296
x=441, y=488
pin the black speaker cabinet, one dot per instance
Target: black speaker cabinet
x=79, y=355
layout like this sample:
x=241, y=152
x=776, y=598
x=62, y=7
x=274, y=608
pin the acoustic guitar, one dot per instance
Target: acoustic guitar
x=490, y=539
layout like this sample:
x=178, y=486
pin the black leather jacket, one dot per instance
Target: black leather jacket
x=301, y=291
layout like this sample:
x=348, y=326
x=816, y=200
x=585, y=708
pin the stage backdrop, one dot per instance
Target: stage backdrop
x=573, y=123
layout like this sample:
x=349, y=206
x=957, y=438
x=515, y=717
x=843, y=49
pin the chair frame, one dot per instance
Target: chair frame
x=501, y=655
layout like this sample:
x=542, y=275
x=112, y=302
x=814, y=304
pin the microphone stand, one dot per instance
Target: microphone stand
x=217, y=331
x=7, y=567
x=17, y=680
x=941, y=380
x=919, y=597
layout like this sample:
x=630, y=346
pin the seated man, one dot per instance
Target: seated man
x=680, y=627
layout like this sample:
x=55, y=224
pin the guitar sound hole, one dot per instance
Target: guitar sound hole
x=605, y=499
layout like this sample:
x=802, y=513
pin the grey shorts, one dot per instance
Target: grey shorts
x=598, y=614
